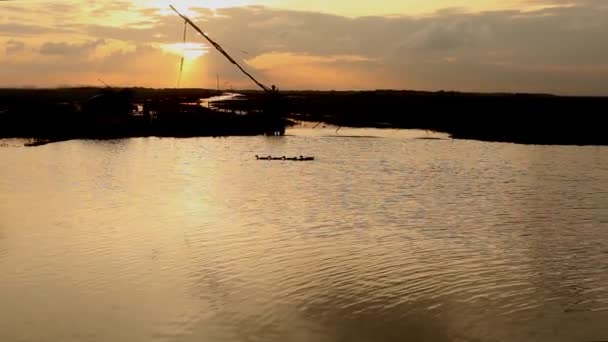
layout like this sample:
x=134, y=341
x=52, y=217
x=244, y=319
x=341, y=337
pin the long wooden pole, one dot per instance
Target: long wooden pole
x=220, y=49
x=181, y=63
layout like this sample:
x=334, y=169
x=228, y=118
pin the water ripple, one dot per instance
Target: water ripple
x=379, y=239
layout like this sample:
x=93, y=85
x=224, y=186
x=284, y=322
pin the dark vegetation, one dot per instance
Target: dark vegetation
x=58, y=114
x=94, y=113
x=520, y=118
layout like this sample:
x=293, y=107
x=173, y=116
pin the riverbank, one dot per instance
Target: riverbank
x=63, y=114
x=515, y=118
x=49, y=115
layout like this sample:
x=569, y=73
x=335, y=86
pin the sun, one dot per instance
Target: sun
x=190, y=51
x=191, y=64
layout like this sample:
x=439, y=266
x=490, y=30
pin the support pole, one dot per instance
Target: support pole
x=221, y=50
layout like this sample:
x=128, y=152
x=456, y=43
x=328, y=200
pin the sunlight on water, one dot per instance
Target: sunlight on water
x=384, y=237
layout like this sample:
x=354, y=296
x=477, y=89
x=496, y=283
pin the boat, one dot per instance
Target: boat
x=283, y=158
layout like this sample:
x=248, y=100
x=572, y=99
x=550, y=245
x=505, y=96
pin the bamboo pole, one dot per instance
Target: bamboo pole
x=221, y=50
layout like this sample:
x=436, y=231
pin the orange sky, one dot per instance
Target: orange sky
x=519, y=45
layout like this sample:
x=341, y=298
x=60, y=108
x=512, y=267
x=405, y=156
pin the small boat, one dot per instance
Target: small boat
x=283, y=158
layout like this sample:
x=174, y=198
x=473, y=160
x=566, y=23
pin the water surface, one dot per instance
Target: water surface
x=384, y=237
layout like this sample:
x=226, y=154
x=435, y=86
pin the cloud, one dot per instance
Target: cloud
x=317, y=72
x=558, y=47
x=63, y=48
x=141, y=65
x=16, y=29
x=59, y=7
x=14, y=46
x=260, y=30
x=108, y=7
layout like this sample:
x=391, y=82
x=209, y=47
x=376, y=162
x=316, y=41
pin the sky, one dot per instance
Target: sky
x=542, y=46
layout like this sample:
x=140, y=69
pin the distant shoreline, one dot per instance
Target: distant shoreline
x=55, y=114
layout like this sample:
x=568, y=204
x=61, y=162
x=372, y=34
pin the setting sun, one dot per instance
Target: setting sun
x=191, y=67
x=189, y=51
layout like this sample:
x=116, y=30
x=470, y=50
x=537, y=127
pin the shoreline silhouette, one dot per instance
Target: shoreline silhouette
x=48, y=115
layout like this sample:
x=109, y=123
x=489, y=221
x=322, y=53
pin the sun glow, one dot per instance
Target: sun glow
x=188, y=73
x=188, y=7
x=189, y=51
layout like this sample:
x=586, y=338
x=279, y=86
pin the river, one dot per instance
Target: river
x=384, y=237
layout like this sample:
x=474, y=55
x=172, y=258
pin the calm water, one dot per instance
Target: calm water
x=384, y=238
